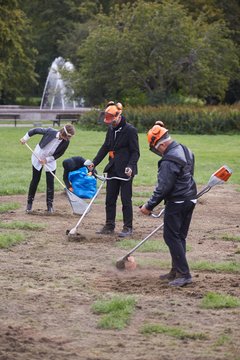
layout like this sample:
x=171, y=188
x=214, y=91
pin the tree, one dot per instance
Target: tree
x=57, y=27
x=158, y=49
x=17, y=55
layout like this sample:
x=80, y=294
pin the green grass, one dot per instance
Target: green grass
x=9, y=207
x=231, y=238
x=21, y=225
x=213, y=300
x=211, y=152
x=115, y=312
x=227, y=266
x=148, y=246
x=222, y=340
x=171, y=331
x=7, y=240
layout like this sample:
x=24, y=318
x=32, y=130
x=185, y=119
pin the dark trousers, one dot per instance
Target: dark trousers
x=177, y=219
x=114, y=187
x=36, y=176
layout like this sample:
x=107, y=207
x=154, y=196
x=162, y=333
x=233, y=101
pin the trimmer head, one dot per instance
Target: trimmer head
x=126, y=263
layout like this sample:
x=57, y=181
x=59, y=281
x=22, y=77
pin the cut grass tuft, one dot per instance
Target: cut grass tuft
x=9, y=206
x=21, y=225
x=171, y=331
x=7, y=240
x=117, y=312
x=148, y=246
x=228, y=266
x=213, y=300
x=231, y=238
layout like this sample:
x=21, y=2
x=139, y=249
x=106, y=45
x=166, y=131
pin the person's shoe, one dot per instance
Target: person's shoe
x=105, y=230
x=168, y=277
x=50, y=209
x=125, y=232
x=29, y=208
x=181, y=281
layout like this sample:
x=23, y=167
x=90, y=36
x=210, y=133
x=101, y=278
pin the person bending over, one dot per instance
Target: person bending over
x=52, y=145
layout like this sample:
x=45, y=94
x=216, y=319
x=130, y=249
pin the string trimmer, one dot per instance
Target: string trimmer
x=103, y=178
x=219, y=177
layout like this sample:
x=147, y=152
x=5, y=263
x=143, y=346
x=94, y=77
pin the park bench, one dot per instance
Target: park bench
x=70, y=117
x=10, y=116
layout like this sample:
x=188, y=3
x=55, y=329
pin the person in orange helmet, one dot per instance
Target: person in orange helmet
x=177, y=188
x=121, y=146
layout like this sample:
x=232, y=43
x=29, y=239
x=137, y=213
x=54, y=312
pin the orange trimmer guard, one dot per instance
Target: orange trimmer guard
x=223, y=173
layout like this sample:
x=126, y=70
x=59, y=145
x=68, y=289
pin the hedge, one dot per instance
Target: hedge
x=179, y=119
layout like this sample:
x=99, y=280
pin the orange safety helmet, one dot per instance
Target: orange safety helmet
x=112, y=112
x=155, y=134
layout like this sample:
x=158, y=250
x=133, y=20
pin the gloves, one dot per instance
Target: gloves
x=128, y=171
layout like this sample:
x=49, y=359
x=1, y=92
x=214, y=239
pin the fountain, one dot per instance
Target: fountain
x=57, y=92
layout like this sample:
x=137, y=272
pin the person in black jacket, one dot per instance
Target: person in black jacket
x=121, y=146
x=52, y=145
x=177, y=188
x=71, y=164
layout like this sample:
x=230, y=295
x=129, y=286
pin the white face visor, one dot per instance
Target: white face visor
x=66, y=132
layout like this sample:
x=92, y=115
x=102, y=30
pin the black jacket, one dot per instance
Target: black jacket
x=123, y=141
x=175, y=176
x=48, y=135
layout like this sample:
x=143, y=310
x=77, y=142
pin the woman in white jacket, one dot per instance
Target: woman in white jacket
x=52, y=145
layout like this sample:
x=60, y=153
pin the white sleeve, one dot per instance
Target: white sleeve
x=26, y=137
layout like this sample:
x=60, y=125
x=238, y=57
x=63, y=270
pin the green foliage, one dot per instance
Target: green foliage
x=117, y=310
x=156, y=49
x=178, y=119
x=213, y=300
x=17, y=59
x=21, y=225
x=172, y=331
x=7, y=240
x=4, y=207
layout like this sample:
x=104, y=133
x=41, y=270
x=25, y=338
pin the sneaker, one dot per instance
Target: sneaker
x=182, y=281
x=125, y=232
x=29, y=208
x=105, y=230
x=169, y=276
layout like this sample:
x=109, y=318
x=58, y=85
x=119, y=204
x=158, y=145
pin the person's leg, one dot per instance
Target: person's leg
x=187, y=213
x=36, y=176
x=112, y=191
x=50, y=190
x=173, y=220
x=127, y=210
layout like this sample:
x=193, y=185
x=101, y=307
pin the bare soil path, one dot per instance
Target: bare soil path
x=48, y=284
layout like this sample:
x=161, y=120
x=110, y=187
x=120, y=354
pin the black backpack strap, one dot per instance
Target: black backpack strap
x=186, y=165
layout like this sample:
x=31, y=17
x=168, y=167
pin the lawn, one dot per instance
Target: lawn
x=211, y=151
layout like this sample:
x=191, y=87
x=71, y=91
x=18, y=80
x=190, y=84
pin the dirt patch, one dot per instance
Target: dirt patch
x=49, y=282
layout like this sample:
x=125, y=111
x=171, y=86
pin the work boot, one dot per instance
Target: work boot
x=50, y=209
x=29, y=207
x=106, y=230
x=180, y=281
x=169, y=276
x=126, y=231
